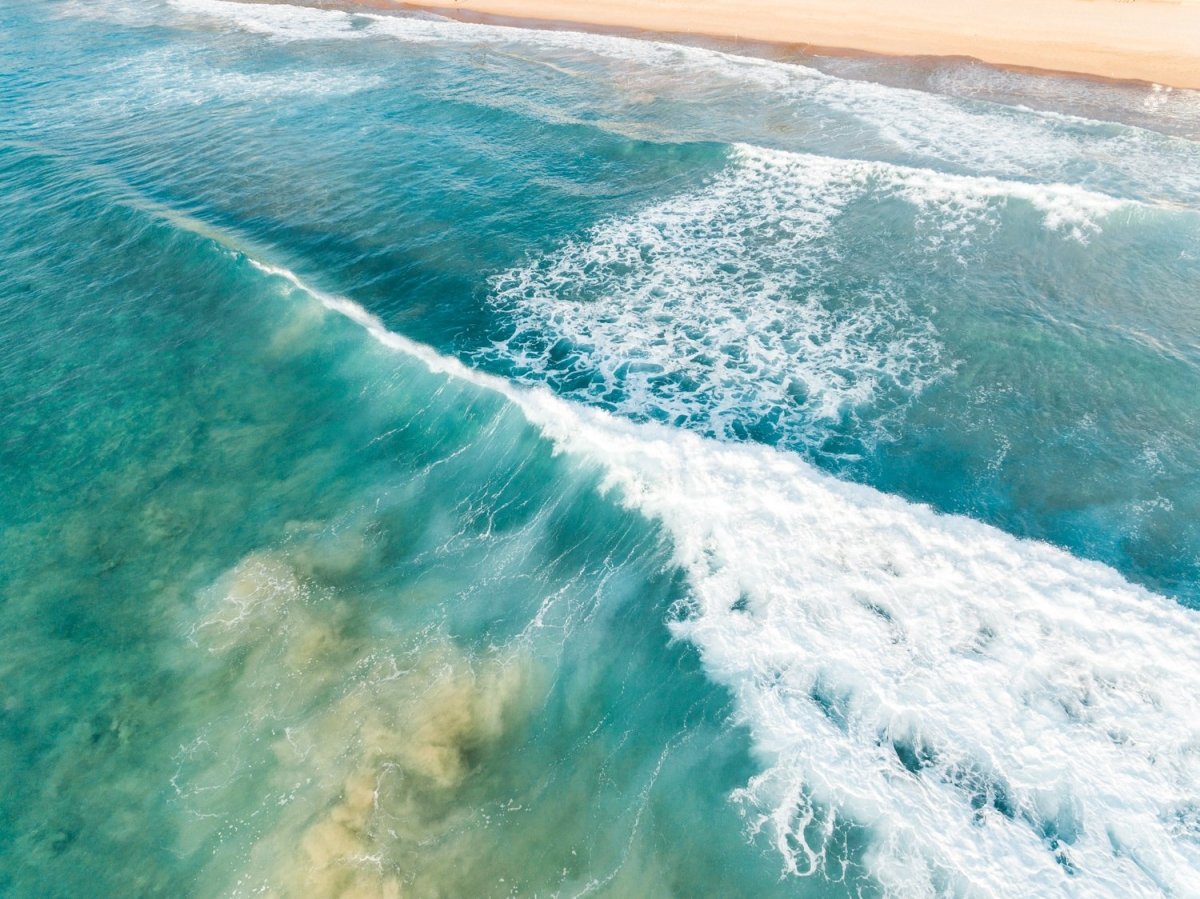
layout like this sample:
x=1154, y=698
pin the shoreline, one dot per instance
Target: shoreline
x=1151, y=41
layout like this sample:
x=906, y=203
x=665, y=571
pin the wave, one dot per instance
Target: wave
x=716, y=308
x=922, y=127
x=997, y=714
x=154, y=76
x=290, y=22
x=278, y=20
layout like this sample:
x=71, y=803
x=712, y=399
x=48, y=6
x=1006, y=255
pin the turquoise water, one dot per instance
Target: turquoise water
x=450, y=460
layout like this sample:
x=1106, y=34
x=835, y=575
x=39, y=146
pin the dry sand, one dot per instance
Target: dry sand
x=1147, y=40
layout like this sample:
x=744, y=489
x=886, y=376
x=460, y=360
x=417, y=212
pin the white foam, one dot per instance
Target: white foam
x=714, y=308
x=1002, y=718
x=706, y=309
x=1034, y=697
x=173, y=78
x=276, y=20
x=1074, y=211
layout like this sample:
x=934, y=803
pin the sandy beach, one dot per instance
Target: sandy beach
x=1142, y=40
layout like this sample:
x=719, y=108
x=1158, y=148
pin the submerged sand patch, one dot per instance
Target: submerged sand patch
x=370, y=748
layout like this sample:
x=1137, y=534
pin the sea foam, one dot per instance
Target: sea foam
x=989, y=708
x=276, y=20
x=998, y=715
x=716, y=308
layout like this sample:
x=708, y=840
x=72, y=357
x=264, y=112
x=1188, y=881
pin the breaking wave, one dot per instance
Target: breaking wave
x=996, y=713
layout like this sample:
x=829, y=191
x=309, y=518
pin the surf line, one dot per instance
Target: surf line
x=982, y=705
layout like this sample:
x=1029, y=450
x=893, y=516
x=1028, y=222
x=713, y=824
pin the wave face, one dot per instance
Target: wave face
x=891, y=683
x=449, y=459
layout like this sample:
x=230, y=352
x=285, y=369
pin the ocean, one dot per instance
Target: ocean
x=449, y=460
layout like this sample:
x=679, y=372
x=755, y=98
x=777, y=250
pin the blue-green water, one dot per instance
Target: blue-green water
x=448, y=460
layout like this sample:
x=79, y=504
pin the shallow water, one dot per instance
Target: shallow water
x=448, y=460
